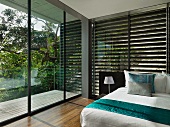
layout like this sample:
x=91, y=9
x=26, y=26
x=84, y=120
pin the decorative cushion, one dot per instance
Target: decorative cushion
x=126, y=73
x=160, y=83
x=143, y=78
x=143, y=89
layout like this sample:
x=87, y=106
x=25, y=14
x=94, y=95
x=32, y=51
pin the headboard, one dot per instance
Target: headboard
x=118, y=78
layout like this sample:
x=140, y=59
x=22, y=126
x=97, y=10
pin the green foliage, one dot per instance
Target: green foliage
x=13, y=53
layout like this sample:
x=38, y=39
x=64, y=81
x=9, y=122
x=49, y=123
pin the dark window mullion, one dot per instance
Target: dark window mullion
x=29, y=58
x=167, y=40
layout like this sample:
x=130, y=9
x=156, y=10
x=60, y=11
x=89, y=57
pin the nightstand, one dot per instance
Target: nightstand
x=100, y=96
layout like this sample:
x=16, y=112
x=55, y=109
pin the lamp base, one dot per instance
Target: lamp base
x=109, y=87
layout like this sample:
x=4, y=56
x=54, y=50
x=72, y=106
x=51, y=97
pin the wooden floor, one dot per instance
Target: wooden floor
x=64, y=115
x=16, y=107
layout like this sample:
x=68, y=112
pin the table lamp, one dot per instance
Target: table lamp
x=108, y=80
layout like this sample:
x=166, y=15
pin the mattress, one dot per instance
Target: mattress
x=99, y=118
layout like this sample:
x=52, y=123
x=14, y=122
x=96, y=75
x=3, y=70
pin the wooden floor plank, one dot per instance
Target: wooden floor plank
x=64, y=115
x=74, y=122
x=16, y=107
x=67, y=116
x=82, y=101
x=27, y=122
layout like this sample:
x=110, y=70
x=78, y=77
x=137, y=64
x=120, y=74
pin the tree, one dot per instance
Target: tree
x=13, y=39
x=13, y=46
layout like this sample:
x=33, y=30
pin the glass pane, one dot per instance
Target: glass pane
x=45, y=54
x=13, y=59
x=73, y=56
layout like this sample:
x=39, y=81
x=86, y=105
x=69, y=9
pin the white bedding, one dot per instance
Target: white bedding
x=98, y=118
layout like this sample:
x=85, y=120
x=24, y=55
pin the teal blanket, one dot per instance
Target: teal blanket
x=135, y=110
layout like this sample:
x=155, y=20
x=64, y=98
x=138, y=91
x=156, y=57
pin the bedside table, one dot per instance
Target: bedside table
x=100, y=96
x=96, y=97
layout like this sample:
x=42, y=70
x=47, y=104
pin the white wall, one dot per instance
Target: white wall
x=97, y=8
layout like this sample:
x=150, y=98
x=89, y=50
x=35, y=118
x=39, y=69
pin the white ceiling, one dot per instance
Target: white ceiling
x=88, y=8
x=39, y=8
x=98, y=8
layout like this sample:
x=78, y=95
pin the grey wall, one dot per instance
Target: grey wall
x=85, y=58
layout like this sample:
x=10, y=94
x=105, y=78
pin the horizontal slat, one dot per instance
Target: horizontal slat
x=147, y=69
x=136, y=61
x=148, y=42
x=73, y=55
x=112, y=23
x=156, y=33
x=148, y=27
x=149, y=12
x=147, y=48
x=149, y=17
x=148, y=30
x=111, y=33
x=98, y=61
x=153, y=38
x=149, y=35
x=113, y=39
x=71, y=30
x=111, y=28
x=74, y=35
x=117, y=19
x=148, y=53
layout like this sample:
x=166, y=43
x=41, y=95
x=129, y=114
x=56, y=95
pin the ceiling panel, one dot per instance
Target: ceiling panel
x=40, y=8
x=98, y=8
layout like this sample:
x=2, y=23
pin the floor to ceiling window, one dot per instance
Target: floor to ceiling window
x=110, y=47
x=45, y=54
x=137, y=40
x=13, y=62
x=54, y=72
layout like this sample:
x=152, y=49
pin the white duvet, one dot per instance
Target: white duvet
x=98, y=118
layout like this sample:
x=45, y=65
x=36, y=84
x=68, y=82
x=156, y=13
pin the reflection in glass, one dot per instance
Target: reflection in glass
x=73, y=56
x=13, y=62
x=45, y=54
x=47, y=57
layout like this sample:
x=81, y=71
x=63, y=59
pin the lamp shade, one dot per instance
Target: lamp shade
x=108, y=80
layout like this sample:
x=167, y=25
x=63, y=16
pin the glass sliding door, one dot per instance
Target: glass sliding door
x=45, y=54
x=55, y=57
x=13, y=59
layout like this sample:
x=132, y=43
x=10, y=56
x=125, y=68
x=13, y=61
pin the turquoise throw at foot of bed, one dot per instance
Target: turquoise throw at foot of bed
x=135, y=110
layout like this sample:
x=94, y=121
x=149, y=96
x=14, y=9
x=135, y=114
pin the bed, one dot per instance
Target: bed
x=94, y=117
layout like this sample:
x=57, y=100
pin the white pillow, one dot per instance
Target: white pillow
x=160, y=82
x=168, y=82
x=126, y=77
